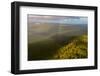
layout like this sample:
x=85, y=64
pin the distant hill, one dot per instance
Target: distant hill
x=44, y=30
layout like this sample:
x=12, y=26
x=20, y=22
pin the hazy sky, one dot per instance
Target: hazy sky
x=57, y=19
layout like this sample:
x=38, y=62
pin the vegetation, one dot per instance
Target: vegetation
x=77, y=48
x=70, y=48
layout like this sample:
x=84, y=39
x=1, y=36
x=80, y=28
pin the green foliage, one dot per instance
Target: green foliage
x=76, y=48
x=71, y=48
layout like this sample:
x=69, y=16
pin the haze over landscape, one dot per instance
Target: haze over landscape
x=47, y=35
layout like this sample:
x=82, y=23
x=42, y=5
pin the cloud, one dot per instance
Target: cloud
x=57, y=19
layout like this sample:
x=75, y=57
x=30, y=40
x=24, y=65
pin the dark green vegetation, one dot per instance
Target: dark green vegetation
x=73, y=47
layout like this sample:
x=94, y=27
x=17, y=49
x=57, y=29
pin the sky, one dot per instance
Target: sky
x=57, y=19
